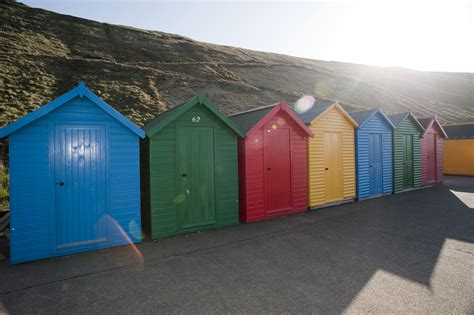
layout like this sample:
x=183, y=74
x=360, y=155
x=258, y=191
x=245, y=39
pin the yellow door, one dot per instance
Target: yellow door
x=333, y=166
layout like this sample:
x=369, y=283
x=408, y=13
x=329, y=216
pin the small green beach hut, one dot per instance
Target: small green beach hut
x=190, y=176
x=406, y=151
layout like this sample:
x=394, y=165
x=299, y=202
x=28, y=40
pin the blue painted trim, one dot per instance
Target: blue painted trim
x=81, y=90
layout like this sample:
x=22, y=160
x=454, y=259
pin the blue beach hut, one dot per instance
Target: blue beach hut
x=373, y=142
x=74, y=178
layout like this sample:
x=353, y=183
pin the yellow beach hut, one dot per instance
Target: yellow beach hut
x=331, y=153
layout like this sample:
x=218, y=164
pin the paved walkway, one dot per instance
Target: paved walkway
x=405, y=253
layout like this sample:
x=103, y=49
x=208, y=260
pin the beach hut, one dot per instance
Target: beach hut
x=431, y=150
x=373, y=141
x=191, y=161
x=458, y=150
x=331, y=156
x=406, y=151
x=273, y=167
x=74, y=178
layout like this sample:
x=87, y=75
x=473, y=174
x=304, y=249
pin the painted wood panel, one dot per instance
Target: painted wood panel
x=331, y=121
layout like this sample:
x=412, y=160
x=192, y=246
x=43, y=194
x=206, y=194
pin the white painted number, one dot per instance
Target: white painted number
x=196, y=119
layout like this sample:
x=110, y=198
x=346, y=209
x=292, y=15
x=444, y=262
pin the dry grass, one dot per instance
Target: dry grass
x=141, y=73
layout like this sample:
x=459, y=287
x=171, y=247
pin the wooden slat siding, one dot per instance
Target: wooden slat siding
x=423, y=155
x=242, y=178
x=226, y=177
x=299, y=170
x=163, y=183
x=31, y=199
x=439, y=160
x=434, y=129
x=406, y=127
x=163, y=189
x=29, y=193
x=255, y=177
x=333, y=120
x=458, y=156
x=376, y=124
x=124, y=170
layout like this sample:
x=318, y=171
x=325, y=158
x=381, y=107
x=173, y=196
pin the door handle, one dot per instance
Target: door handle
x=60, y=183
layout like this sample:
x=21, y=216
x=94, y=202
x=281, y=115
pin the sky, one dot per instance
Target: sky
x=422, y=35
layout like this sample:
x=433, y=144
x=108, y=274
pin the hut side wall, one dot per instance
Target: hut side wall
x=458, y=156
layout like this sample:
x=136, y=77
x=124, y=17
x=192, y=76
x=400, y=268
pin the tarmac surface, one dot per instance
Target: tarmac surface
x=411, y=252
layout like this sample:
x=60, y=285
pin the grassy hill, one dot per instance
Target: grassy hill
x=44, y=54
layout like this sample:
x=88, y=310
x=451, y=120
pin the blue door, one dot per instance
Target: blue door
x=375, y=164
x=80, y=188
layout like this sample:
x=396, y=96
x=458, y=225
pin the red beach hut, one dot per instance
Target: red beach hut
x=432, y=150
x=273, y=162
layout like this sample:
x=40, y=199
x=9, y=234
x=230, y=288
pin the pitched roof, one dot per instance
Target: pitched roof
x=362, y=116
x=247, y=119
x=318, y=108
x=460, y=131
x=427, y=122
x=80, y=91
x=398, y=118
x=255, y=118
x=166, y=117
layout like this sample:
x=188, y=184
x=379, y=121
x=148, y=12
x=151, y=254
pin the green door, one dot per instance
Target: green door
x=195, y=177
x=407, y=161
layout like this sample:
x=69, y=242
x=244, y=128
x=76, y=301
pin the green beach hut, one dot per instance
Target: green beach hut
x=190, y=176
x=406, y=151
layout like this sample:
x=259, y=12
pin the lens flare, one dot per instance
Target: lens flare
x=304, y=103
x=280, y=121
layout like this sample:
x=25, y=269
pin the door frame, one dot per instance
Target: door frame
x=268, y=214
x=52, y=125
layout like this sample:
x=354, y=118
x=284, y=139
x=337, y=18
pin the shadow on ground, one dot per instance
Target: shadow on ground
x=411, y=252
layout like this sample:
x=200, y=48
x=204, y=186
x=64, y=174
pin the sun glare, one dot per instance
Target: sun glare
x=420, y=35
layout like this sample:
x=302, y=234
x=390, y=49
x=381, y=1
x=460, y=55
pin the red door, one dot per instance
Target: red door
x=431, y=157
x=277, y=170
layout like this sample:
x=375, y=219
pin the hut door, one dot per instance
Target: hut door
x=407, y=161
x=375, y=163
x=195, y=178
x=277, y=170
x=431, y=156
x=333, y=166
x=80, y=180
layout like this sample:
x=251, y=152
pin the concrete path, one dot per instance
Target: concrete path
x=407, y=253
